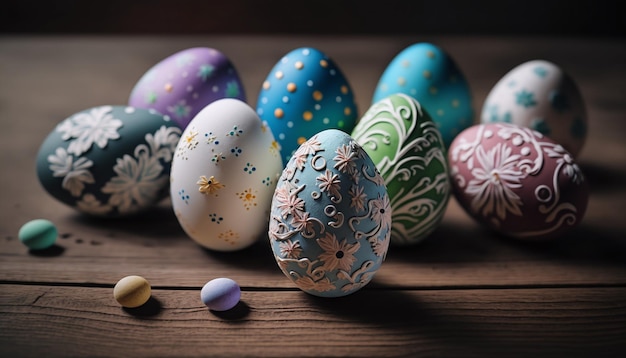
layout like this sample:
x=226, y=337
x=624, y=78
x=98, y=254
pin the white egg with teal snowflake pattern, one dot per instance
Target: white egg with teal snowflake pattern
x=109, y=160
x=429, y=74
x=330, y=222
x=223, y=176
x=539, y=95
x=185, y=82
x=406, y=146
x=305, y=93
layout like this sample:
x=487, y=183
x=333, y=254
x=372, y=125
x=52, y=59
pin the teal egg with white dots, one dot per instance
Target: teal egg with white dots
x=305, y=93
x=429, y=74
x=539, y=95
x=38, y=234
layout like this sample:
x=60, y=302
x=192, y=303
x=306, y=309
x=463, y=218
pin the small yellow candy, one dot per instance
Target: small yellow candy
x=132, y=291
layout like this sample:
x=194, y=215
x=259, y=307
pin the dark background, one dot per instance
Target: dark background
x=385, y=17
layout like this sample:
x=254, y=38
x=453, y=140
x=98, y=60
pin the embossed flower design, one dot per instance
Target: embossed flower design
x=209, y=185
x=75, y=173
x=570, y=168
x=357, y=197
x=137, y=182
x=288, y=202
x=337, y=254
x=344, y=160
x=86, y=129
x=290, y=249
x=329, y=182
x=494, y=179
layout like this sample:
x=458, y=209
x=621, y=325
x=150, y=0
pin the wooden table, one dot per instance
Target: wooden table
x=462, y=292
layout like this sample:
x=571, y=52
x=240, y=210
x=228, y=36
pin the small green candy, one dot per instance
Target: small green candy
x=38, y=234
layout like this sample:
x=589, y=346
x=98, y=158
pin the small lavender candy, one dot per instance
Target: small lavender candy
x=220, y=294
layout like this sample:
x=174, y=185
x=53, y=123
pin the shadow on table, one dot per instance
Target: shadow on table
x=451, y=243
x=149, y=309
x=235, y=314
x=257, y=257
x=158, y=222
x=454, y=326
x=602, y=179
x=52, y=251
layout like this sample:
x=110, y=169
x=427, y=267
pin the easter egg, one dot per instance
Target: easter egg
x=517, y=182
x=430, y=75
x=539, y=95
x=305, y=93
x=132, y=291
x=223, y=176
x=220, y=294
x=406, y=146
x=330, y=216
x=109, y=160
x=184, y=83
x=38, y=234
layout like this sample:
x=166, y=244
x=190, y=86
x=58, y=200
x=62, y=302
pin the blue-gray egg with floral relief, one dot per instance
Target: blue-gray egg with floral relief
x=330, y=220
x=109, y=160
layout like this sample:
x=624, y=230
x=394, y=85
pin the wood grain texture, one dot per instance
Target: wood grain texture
x=370, y=323
x=462, y=292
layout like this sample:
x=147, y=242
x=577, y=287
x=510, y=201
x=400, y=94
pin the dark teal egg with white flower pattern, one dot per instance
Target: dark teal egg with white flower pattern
x=109, y=160
x=330, y=219
x=539, y=95
x=429, y=74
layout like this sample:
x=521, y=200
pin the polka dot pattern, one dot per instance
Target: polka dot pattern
x=428, y=74
x=304, y=94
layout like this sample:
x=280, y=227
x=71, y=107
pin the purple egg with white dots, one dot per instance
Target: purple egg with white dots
x=182, y=84
x=303, y=94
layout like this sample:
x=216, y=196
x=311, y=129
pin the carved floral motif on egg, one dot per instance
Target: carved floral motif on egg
x=109, y=160
x=331, y=216
x=516, y=181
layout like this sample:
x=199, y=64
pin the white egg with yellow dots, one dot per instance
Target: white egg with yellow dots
x=223, y=176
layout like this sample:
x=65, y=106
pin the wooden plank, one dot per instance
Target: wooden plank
x=463, y=292
x=459, y=254
x=77, y=321
x=454, y=256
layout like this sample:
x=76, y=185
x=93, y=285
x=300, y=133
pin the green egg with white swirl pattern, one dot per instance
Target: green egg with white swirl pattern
x=407, y=148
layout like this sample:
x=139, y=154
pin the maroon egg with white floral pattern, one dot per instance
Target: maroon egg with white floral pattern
x=516, y=181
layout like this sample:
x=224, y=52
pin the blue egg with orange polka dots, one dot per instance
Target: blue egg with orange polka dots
x=305, y=93
x=427, y=73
